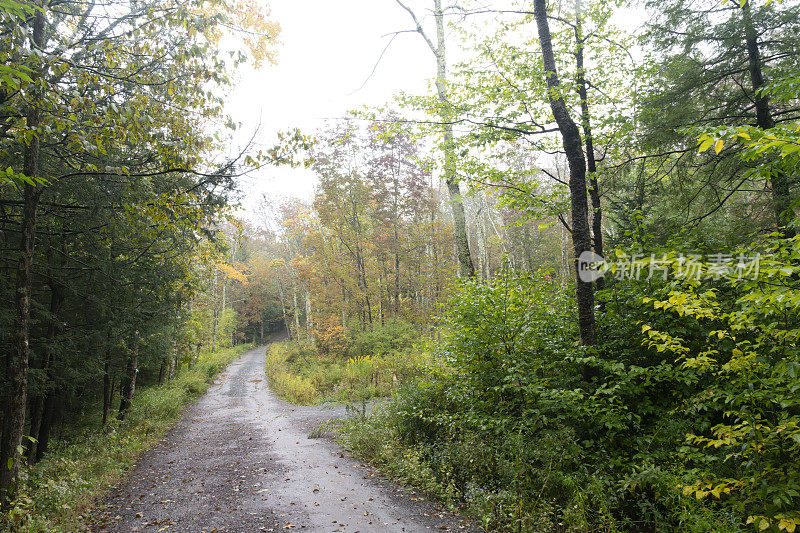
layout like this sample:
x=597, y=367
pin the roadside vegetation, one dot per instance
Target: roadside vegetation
x=60, y=492
x=446, y=259
x=686, y=419
x=358, y=367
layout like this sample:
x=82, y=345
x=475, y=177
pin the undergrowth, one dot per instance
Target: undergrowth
x=373, y=365
x=525, y=430
x=57, y=493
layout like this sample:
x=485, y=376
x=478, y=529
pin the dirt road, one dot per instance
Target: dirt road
x=240, y=460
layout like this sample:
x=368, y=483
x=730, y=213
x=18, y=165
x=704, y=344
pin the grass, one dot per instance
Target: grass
x=299, y=373
x=57, y=494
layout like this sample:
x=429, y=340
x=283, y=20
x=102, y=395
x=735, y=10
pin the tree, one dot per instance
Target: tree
x=714, y=67
x=107, y=109
x=571, y=138
x=446, y=119
x=14, y=417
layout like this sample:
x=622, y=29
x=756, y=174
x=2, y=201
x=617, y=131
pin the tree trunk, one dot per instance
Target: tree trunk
x=48, y=413
x=108, y=383
x=129, y=385
x=173, y=362
x=309, y=316
x=466, y=267
x=283, y=308
x=40, y=412
x=594, y=190
x=14, y=417
x=781, y=194
x=296, y=310
x=571, y=140
x=214, y=316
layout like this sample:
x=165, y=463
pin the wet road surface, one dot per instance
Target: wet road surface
x=240, y=459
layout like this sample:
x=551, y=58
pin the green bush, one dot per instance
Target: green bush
x=395, y=336
x=686, y=416
x=534, y=433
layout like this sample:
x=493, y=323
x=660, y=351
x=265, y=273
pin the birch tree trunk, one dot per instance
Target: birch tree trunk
x=445, y=111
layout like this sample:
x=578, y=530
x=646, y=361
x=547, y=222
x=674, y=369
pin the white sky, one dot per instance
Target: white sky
x=328, y=50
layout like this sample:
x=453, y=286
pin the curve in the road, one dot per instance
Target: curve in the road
x=240, y=460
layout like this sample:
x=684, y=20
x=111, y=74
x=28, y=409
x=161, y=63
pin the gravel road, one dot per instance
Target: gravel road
x=240, y=460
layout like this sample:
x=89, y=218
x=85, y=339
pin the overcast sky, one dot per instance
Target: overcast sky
x=329, y=48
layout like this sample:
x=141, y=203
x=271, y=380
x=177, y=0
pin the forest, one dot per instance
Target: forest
x=558, y=291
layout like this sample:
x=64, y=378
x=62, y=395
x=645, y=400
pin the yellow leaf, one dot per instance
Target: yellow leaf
x=718, y=146
x=231, y=272
x=764, y=524
x=705, y=144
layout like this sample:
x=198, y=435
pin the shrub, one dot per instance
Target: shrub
x=300, y=373
x=395, y=336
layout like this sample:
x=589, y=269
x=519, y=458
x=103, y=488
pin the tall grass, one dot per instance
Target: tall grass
x=299, y=373
x=57, y=493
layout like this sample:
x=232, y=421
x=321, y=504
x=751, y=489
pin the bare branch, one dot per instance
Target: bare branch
x=419, y=26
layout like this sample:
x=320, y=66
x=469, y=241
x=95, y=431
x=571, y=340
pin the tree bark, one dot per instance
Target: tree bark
x=309, y=317
x=173, y=362
x=215, y=316
x=781, y=194
x=571, y=140
x=591, y=164
x=283, y=307
x=48, y=413
x=108, y=383
x=296, y=310
x=162, y=371
x=14, y=418
x=129, y=385
x=41, y=415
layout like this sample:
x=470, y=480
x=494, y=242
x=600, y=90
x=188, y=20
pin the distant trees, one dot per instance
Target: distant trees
x=378, y=223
